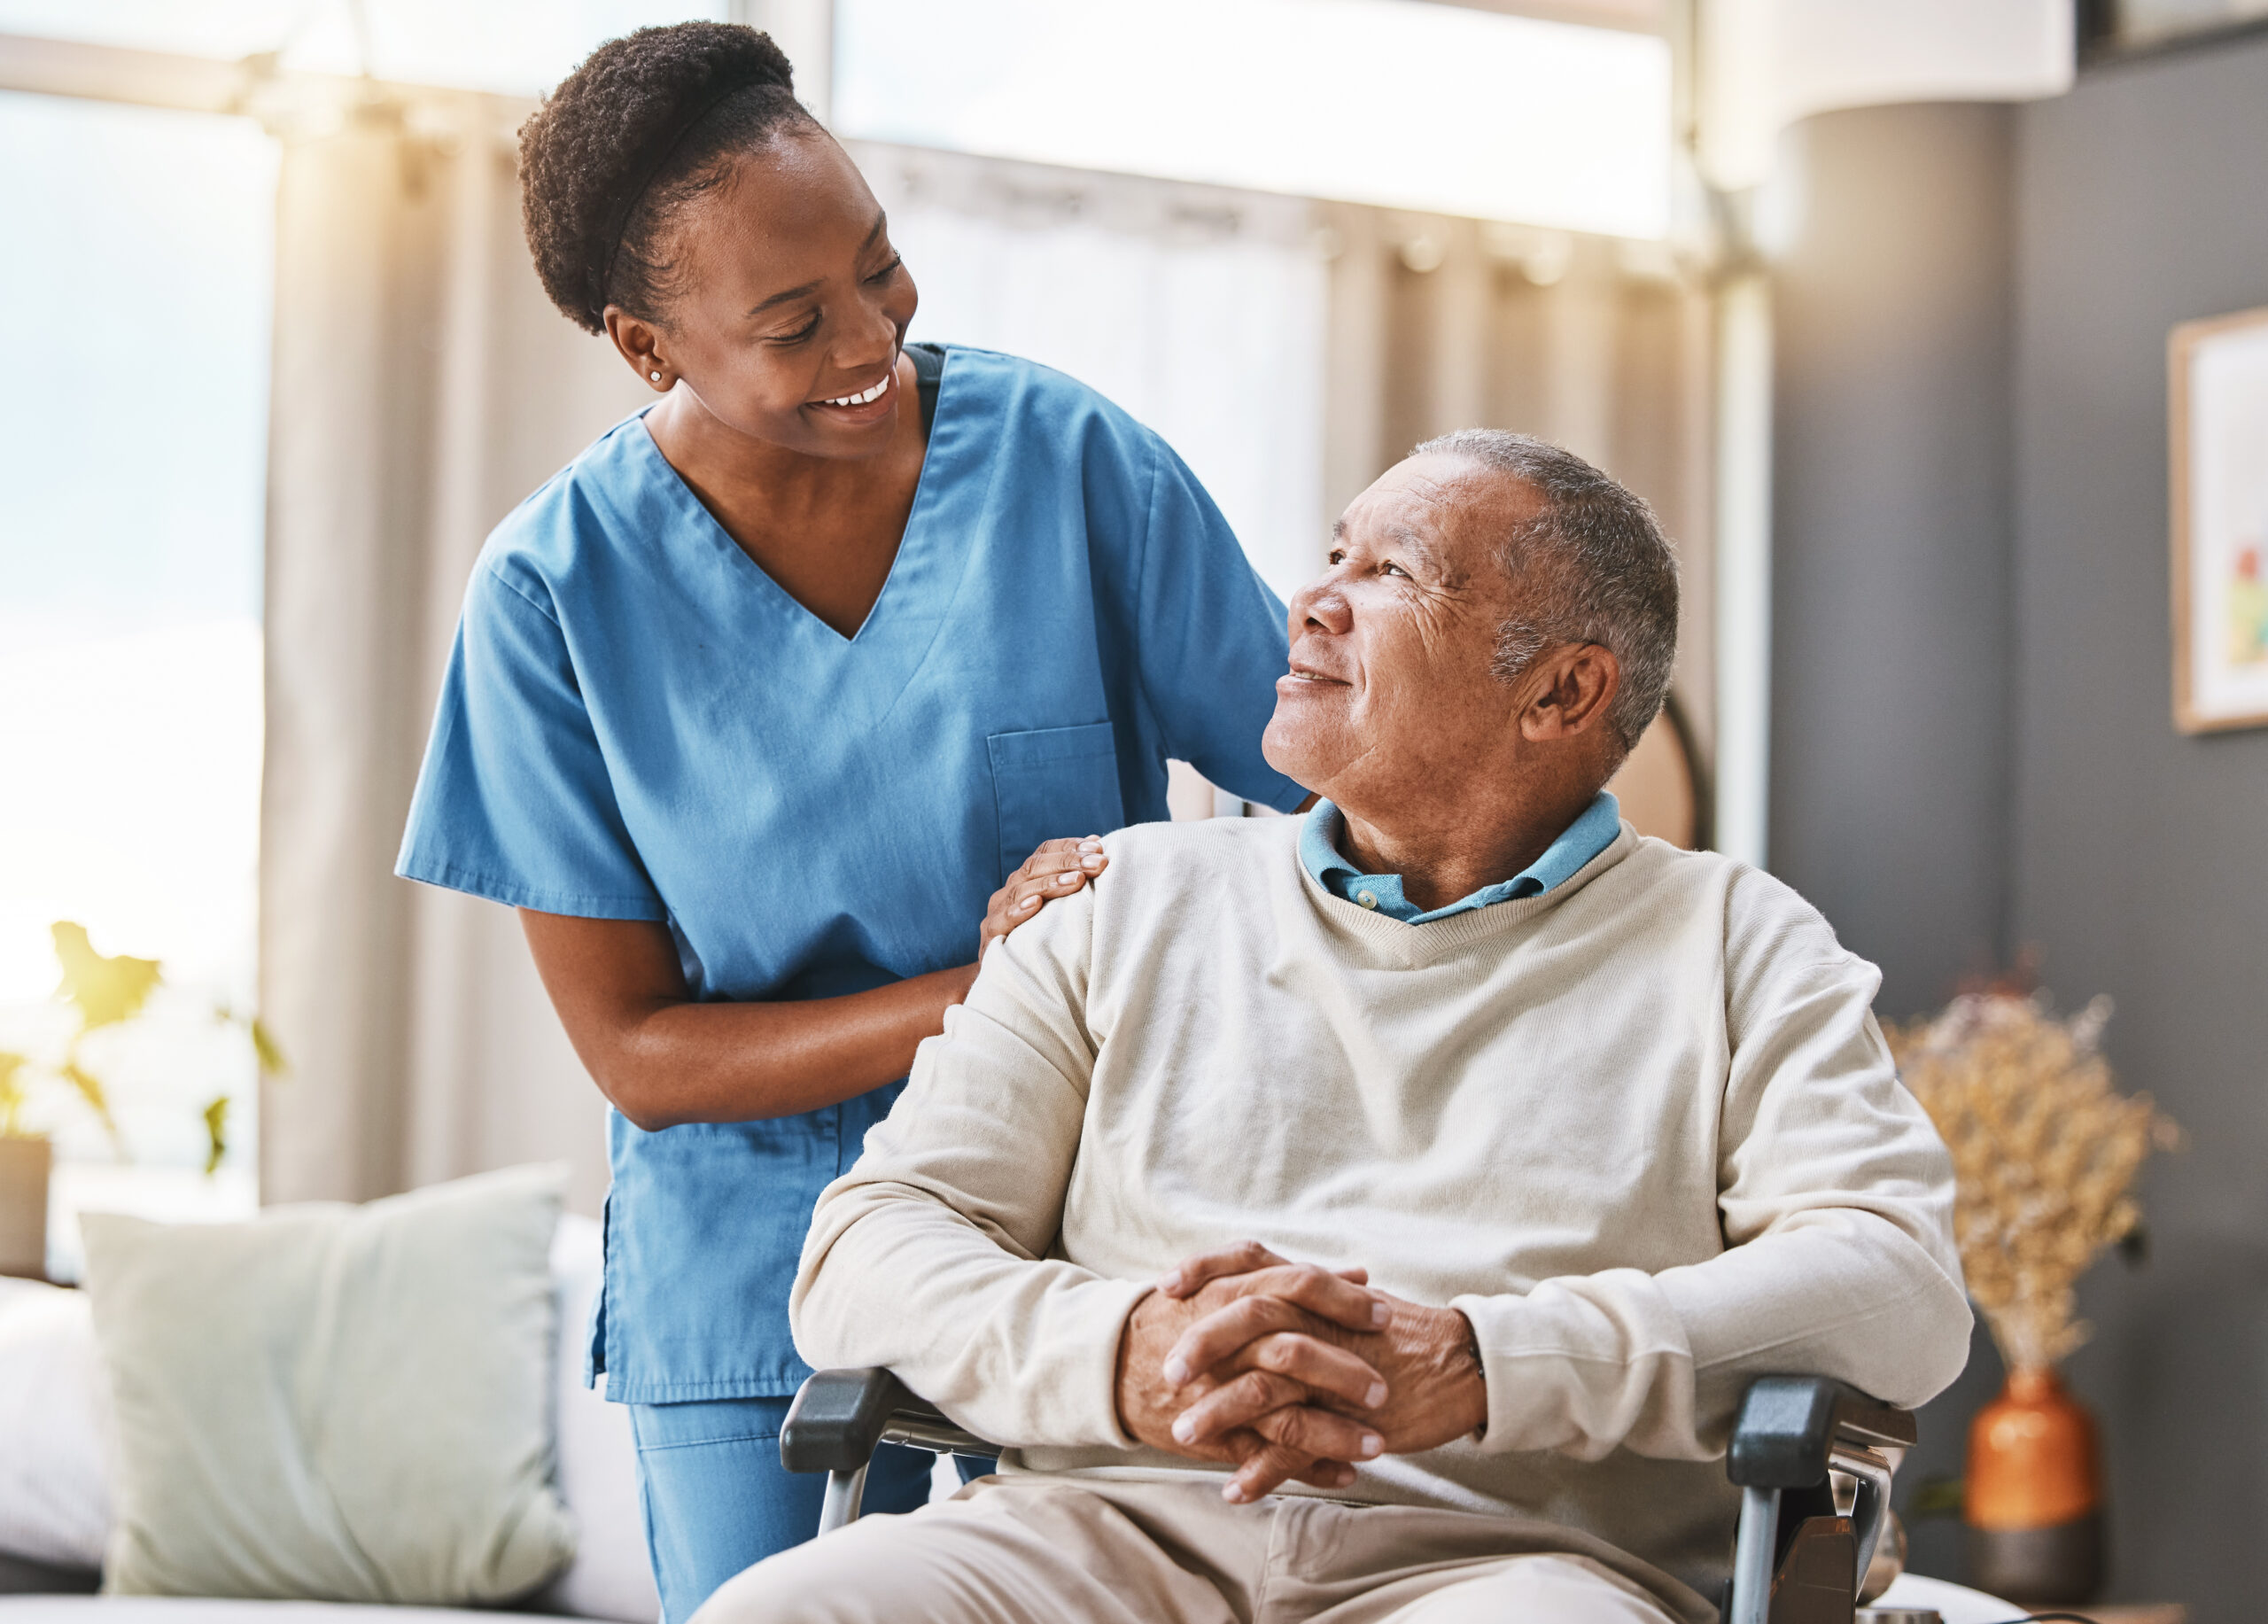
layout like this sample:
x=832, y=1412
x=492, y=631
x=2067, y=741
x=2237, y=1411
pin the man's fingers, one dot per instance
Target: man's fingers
x=1279, y=1299
x=1265, y=1468
x=1225, y=1332
x=1337, y=1295
x=1318, y=1367
x=1273, y=1406
x=1330, y=1296
x=1323, y=1433
x=1268, y=1334
x=1322, y=1367
x=1189, y=1276
x=1234, y=1404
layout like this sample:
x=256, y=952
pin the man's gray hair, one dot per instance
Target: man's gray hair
x=1592, y=564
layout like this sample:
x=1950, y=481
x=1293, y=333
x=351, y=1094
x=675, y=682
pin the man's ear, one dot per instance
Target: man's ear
x=1574, y=685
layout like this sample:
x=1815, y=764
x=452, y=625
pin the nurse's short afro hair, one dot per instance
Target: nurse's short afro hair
x=647, y=124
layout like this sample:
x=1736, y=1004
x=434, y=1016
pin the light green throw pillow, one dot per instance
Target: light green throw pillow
x=334, y=1402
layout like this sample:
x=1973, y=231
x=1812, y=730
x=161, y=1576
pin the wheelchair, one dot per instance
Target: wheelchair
x=1798, y=1558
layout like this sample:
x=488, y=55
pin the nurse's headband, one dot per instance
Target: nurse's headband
x=626, y=203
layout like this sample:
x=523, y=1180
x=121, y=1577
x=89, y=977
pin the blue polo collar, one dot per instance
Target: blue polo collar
x=1581, y=840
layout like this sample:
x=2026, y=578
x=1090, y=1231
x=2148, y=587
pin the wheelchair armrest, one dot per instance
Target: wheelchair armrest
x=839, y=1417
x=1789, y=1426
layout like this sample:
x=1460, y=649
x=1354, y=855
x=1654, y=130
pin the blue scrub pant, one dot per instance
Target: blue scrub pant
x=717, y=1499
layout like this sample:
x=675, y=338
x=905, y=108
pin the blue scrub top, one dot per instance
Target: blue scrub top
x=637, y=722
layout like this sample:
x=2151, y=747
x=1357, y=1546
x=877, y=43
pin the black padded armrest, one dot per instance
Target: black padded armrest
x=838, y=1417
x=1788, y=1425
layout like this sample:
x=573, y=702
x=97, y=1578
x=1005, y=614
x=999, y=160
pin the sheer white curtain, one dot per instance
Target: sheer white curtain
x=1201, y=311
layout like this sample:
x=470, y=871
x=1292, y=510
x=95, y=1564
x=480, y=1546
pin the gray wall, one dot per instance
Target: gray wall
x=2141, y=855
x=1973, y=749
x=1890, y=658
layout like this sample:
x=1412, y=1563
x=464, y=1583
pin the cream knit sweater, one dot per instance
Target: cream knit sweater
x=1642, y=1129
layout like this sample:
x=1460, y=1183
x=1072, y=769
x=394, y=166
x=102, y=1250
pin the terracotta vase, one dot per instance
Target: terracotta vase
x=24, y=1167
x=2034, y=1495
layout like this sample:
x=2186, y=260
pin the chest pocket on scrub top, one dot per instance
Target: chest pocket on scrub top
x=1050, y=782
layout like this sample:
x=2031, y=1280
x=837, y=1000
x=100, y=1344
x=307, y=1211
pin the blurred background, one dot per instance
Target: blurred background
x=1870, y=299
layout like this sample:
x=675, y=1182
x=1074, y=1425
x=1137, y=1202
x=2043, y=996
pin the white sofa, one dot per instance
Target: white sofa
x=54, y=1504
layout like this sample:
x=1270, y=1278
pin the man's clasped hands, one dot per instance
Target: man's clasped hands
x=1291, y=1371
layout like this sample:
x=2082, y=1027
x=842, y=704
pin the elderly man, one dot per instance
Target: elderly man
x=1376, y=1215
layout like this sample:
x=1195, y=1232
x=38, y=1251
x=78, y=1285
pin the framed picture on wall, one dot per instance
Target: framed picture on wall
x=2220, y=419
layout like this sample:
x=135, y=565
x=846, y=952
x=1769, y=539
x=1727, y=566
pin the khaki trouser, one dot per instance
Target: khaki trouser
x=1058, y=1550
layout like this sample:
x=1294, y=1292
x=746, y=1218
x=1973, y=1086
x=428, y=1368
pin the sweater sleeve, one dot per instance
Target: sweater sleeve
x=1835, y=1205
x=930, y=1255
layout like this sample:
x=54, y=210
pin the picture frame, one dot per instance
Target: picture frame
x=2218, y=416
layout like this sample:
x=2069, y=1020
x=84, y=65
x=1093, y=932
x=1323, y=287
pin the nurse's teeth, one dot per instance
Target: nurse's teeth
x=861, y=398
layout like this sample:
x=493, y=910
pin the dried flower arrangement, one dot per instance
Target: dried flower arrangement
x=2045, y=1154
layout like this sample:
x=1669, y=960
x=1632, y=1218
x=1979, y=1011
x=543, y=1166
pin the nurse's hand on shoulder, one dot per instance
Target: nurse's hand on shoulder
x=1058, y=869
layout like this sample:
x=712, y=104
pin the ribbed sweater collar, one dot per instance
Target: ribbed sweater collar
x=1413, y=945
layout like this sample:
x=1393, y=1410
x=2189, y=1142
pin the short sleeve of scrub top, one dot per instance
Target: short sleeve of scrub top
x=637, y=722
x=535, y=823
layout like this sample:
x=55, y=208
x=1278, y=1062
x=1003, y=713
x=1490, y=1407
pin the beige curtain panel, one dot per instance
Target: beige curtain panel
x=422, y=387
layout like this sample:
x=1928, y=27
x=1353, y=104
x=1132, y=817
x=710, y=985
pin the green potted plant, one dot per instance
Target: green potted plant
x=101, y=990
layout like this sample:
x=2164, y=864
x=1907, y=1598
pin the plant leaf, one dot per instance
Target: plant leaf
x=268, y=1051
x=90, y=1090
x=105, y=988
x=12, y=1091
x=216, y=1133
x=265, y=1049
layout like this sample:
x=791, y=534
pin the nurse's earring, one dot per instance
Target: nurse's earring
x=655, y=375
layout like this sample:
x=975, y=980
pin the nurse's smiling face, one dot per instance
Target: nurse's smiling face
x=788, y=307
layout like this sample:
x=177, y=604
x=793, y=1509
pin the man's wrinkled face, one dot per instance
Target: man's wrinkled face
x=1390, y=685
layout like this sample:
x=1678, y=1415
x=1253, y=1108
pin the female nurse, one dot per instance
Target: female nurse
x=758, y=709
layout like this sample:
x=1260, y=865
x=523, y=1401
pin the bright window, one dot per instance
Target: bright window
x=518, y=47
x=135, y=441
x=1393, y=102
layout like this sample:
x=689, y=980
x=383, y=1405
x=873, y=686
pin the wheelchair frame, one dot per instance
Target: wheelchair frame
x=1796, y=1559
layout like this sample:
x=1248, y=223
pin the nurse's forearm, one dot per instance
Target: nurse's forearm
x=686, y=1062
x=663, y=1058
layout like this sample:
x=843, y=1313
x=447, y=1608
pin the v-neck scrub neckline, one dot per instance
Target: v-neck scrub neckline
x=697, y=517
x=638, y=722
